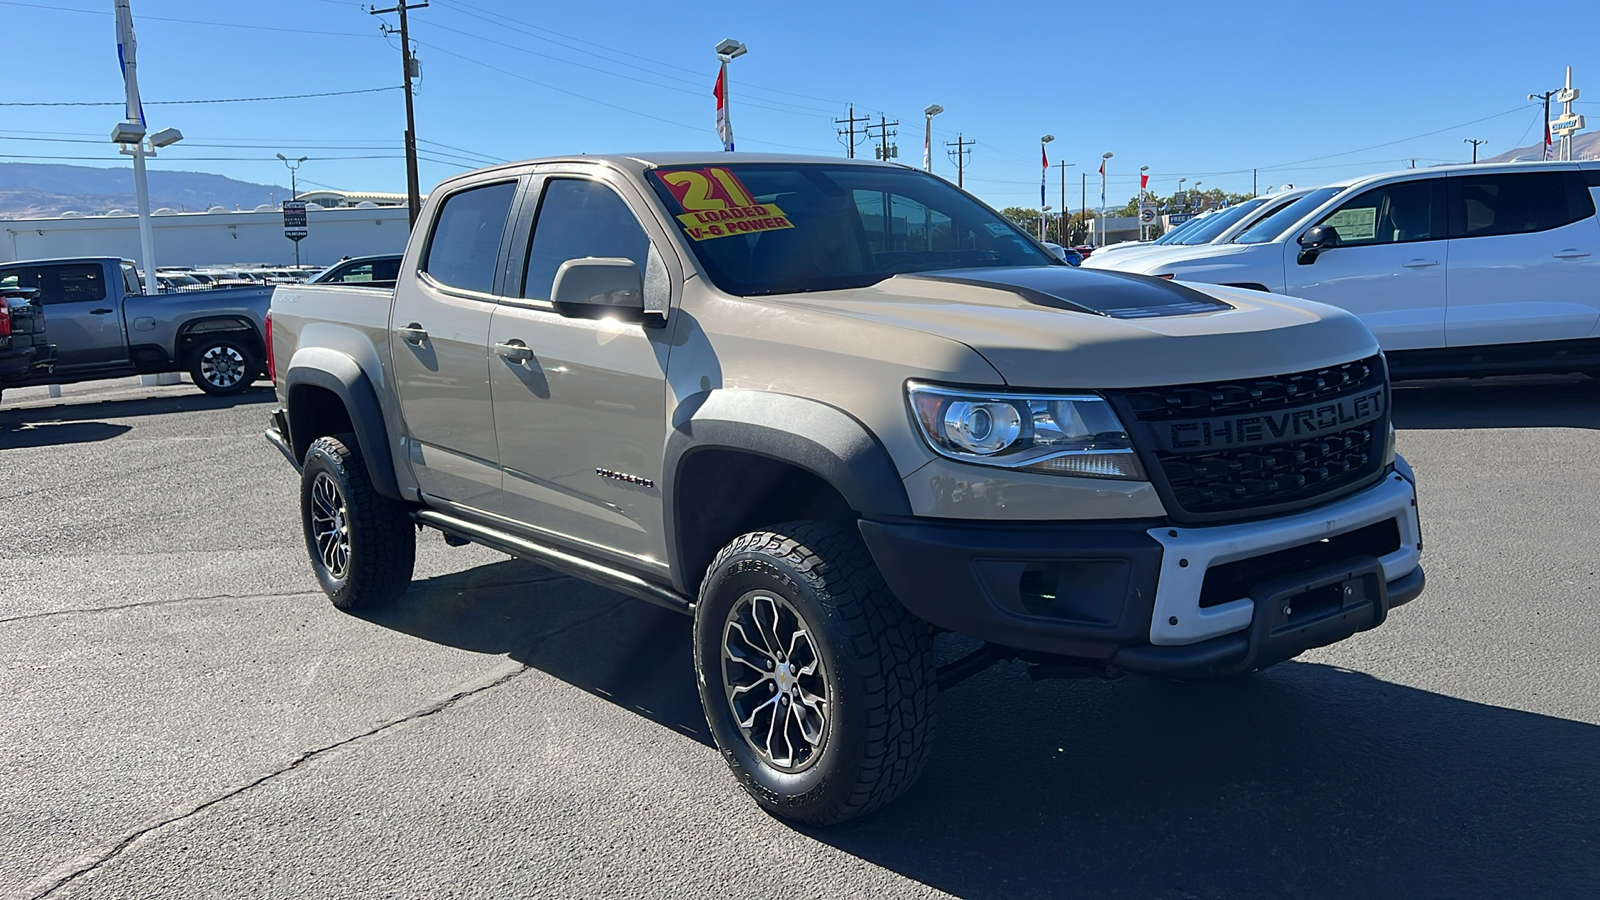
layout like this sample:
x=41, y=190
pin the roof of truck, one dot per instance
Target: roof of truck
x=641, y=162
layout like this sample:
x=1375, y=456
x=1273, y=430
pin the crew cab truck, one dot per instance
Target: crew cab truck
x=830, y=409
x=103, y=325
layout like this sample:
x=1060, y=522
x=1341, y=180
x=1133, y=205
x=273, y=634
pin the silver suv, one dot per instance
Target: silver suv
x=832, y=410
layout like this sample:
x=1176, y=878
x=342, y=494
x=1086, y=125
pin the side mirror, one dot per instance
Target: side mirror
x=599, y=288
x=1317, y=239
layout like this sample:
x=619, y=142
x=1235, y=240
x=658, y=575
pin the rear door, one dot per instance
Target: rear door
x=438, y=341
x=1524, y=258
x=580, y=404
x=1389, y=267
x=80, y=312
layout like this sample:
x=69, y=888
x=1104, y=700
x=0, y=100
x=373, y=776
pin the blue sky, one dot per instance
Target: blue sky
x=1207, y=91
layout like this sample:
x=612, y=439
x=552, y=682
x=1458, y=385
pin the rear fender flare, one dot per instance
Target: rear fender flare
x=343, y=376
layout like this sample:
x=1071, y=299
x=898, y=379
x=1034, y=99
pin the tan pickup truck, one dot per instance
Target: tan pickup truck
x=833, y=410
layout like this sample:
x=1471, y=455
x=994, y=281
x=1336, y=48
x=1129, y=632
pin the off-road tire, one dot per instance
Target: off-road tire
x=878, y=658
x=381, y=548
x=238, y=370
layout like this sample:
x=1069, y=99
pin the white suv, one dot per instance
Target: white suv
x=1471, y=269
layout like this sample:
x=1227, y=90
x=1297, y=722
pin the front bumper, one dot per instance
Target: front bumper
x=1153, y=597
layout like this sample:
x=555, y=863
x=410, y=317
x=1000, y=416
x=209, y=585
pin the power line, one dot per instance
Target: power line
x=221, y=100
x=248, y=27
x=962, y=151
x=849, y=131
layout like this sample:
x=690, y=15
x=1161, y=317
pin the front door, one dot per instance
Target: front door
x=1389, y=267
x=438, y=340
x=80, y=316
x=580, y=404
x=1524, y=258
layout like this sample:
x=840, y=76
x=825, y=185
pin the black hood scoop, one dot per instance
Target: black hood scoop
x=1119, y=295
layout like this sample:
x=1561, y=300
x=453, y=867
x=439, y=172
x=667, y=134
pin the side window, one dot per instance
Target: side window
x=466, y=237
x=385, y=269
x=64, y=284
x=1517, y=203
x=579, y=218
x=1392, y=214
x=356, y=274
x=131, y=286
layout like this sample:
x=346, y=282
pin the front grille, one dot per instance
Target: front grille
x=1236, y=448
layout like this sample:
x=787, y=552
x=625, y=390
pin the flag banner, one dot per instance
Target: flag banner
x=127, y=61
x=1144, y=181
x=720, y=91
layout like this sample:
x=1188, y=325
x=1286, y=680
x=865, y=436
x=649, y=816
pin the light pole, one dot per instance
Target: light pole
x=294, y=166
x=294, y=193
x=927, y=136
x=1197, y=191
x=130, y=136
x=1104, y=158
x=727, y=51
x=1043, y=173
x=1142, y=178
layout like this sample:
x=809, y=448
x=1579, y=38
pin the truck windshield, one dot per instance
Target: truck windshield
x=777, y=228
x=1279, y=222
x=1215, y=225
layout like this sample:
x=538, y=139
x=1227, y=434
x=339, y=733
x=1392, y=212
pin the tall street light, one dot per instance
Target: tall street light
x=1104, y=158
x=727, y=51
x=927, y=136
x=1044, y=161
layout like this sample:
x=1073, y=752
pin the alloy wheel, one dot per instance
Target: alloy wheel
x=222, y=366
x=775, y=681
x=330, y=525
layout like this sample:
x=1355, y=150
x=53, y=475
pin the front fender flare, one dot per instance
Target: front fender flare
x=343, y=376
x=821, y=439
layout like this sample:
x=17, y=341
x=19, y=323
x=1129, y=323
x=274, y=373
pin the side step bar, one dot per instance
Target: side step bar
x=560, y=560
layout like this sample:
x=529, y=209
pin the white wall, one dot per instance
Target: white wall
x=201, y=239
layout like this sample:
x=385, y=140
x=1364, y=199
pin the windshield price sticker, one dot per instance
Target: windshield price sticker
x=1355, y=224
x=716, y=204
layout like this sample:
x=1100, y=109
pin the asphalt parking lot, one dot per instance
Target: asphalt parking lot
x=183, y=714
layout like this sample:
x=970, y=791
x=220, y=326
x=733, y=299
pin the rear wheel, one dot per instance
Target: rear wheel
x=818, y=685
x=222, y=365
x=362, y=544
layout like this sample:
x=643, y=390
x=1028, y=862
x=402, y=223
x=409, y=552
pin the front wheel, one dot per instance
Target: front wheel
x=222, y=366
x=818, y=685
x=362, y=544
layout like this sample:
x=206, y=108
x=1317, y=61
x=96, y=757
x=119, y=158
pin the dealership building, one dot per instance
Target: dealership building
x=338, y=224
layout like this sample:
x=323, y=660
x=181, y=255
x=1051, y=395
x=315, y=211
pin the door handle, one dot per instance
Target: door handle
x=412, y=334
x=514, y=350
x=1571, y=253
x=106, y=309
x=1420, y=263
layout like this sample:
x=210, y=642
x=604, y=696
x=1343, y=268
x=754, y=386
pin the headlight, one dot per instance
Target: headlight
x=1062, y=434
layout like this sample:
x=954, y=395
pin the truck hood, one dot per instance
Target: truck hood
x=1064, y=327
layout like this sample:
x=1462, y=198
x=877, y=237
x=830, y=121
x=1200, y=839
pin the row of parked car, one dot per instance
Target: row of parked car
x=1469, y=269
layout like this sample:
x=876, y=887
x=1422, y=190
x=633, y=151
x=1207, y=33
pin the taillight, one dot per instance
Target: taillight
x=272, y=367
x=5, y=318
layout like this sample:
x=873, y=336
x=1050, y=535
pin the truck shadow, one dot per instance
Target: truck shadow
x=69, y=409
x=25, y=435
x=1307, y=780
x=1533, y=401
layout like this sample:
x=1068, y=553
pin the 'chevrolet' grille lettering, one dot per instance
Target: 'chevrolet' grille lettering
x=1273, y=427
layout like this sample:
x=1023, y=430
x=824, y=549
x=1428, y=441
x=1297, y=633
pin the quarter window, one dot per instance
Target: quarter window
x=1392, y=214
x=466, y=239
x=1518, y=203
x=580, y=218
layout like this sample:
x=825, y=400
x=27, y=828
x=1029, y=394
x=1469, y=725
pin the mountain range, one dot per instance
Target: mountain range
x=42, y=189
x=1584, y=146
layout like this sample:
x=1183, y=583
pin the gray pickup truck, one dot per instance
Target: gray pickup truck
x=103, y=325
x=25, y=350
x=832, y=410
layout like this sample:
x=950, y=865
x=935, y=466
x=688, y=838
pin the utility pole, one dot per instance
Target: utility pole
x=885, y=152
x=1474, y=142
x=1544, y=152
x=1253, y=190
x=959, y=156
x=849, y=131
x=408, y=65
x=1083, y=204
x=1062, y=218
